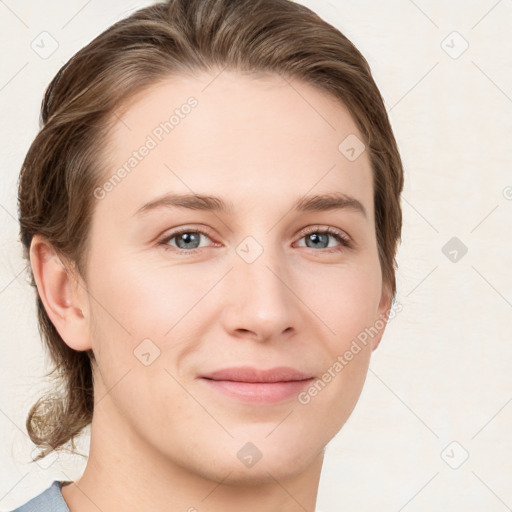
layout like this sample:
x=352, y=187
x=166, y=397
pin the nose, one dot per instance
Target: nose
x=260, y=301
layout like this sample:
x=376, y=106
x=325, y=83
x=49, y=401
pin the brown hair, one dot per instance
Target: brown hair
x=62, y=166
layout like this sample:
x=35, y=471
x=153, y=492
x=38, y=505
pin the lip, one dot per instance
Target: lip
x=250, y=384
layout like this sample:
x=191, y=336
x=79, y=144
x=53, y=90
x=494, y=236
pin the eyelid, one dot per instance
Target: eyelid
x=326, y=229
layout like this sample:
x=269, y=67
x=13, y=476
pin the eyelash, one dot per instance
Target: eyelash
x=344, y=240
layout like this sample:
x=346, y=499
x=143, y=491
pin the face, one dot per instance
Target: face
x=183, y=293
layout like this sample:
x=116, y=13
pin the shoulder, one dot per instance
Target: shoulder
x=50, y=500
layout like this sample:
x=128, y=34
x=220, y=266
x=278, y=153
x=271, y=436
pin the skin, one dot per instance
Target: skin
x=161, y=439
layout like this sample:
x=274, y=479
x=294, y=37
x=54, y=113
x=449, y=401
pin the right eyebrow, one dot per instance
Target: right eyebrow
x=191, y=201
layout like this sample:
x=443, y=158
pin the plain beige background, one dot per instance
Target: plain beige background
x=432, y=428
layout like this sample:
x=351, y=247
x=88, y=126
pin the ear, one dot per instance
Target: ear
x=63, y=296
x=383, y=314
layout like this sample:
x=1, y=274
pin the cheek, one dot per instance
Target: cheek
x=346, y=300
x=154, y=314
x=148, y=300
x=350, y=309
x=132, y=310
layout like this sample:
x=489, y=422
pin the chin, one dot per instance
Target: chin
x=261, y=462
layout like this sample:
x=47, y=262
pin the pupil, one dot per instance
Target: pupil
x=316, y=238
x=188, y=238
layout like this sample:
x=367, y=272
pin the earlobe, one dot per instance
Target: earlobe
x=57, y=290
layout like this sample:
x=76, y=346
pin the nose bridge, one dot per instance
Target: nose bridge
x=260, y=300
x=259, y=267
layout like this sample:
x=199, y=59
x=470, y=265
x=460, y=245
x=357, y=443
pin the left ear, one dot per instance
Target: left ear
x=381, y=322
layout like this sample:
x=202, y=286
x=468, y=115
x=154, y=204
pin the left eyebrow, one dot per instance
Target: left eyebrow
x=314, y=203
x=325, y=202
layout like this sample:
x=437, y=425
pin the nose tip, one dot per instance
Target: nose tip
x=260, y=304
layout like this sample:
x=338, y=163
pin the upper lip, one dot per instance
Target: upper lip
x=250, y=374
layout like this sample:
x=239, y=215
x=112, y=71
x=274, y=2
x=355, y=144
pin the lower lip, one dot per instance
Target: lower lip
x=262, y=392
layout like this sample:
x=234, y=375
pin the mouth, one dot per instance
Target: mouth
x=249, y=384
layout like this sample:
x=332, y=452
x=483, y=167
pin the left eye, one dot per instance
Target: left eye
x=319, y=238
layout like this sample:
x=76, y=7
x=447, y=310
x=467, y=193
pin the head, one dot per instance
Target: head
x=256, y=106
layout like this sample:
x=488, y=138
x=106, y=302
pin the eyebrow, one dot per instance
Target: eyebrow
x=313, y=203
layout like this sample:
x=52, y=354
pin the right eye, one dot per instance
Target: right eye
x=186, y=240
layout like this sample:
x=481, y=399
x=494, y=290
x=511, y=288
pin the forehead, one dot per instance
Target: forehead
x=245, y=136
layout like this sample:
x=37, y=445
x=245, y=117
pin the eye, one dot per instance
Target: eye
x=187, y=240
x=318, y=237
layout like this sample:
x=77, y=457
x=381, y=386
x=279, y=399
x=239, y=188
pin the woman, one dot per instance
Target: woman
x=211, y=212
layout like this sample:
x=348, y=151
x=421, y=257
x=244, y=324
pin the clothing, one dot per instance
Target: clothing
x=50, y=500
